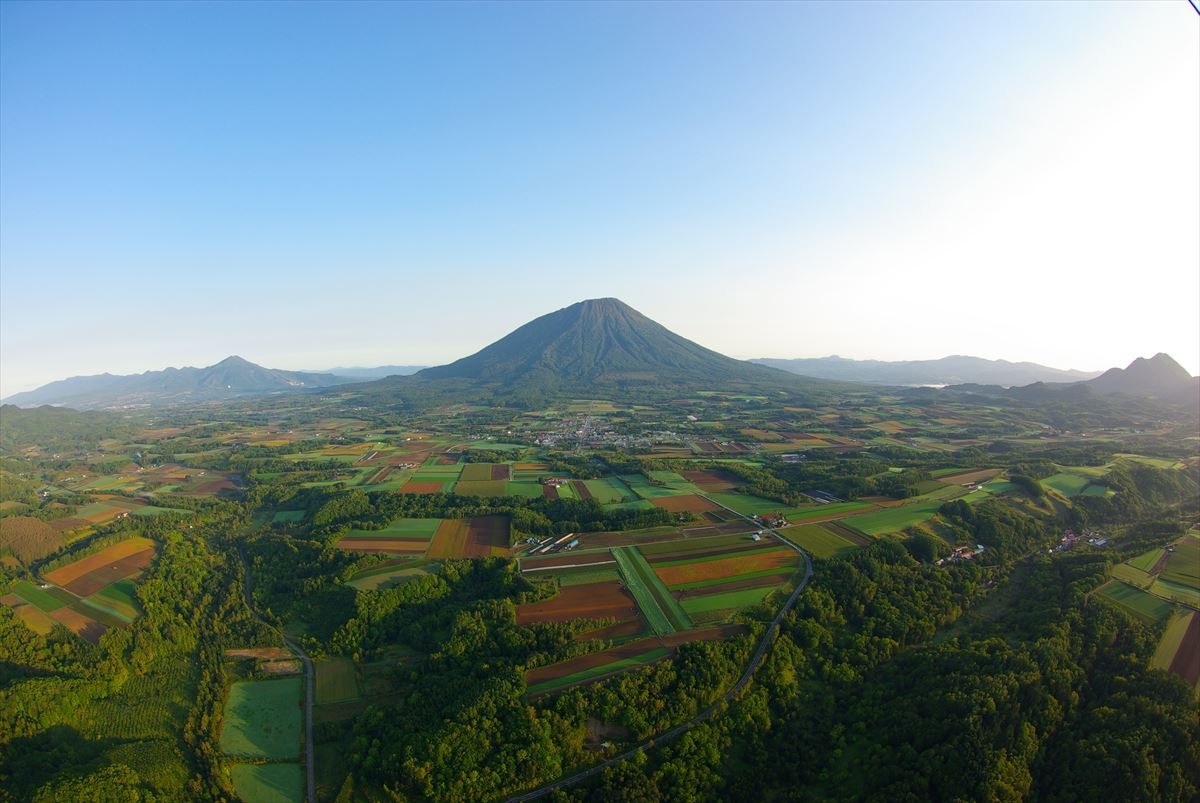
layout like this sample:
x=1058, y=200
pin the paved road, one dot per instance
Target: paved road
x=678, y=730
x=309, y=680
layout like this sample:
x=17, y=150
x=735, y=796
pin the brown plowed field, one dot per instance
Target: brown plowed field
x=726, y=567
x=974, y=476
x=110, y=573
x=500, y=471
x=737, y=585
x=479, y=537
x=411, y=487
x=531, y=466
x=446, y=460
x=629, y=650
x=730, y=549
x=1186, y=663
x=842, y=531
x=711, y=480
x=1160, y=564
x=549, y=491
x=389, y=545
x=581, y=490
x=589, y=601
x=684, y=504
x=80, y=625
x=110, y=554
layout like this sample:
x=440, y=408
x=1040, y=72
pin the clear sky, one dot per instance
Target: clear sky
x=310, y=185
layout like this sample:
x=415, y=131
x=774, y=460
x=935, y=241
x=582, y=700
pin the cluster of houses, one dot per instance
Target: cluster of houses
x=771, y=520
x=554, y=482
x=962, y=553
x=1070, y=538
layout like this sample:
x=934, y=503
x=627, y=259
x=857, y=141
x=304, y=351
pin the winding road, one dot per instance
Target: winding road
x=679, y=730
x=309, y=680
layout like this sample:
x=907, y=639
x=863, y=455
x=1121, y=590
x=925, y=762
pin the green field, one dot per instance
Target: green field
x=642, y=487
x=41, y=599
x=730, y=599
x=524, y=487
x=1135, y=577
x=747, y=505
x=1183, y=566
x=893, y=519
x=288, y=517
x=603, y=669
x=1172, y=637
x=262, y=719
x=818, y=541
x=268, y=783
x=1066, y=484
x=661, y=610
x=580, y=575
x=336, y=682
x=1145, y=561
x=1144, y=606
x=607, y=490
x=391, y=574
x=408, y=529
x=800, y=514
x=1176, y=592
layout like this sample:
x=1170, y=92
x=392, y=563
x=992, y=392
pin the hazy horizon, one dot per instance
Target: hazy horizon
x=401, y=184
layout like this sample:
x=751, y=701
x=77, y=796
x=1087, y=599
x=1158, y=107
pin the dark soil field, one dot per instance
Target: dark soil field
x=711, y=480
x=480, y=537
x=549, y=491
x=1186, y=663
x=684, y=504
x=606, y=600
x=842, y=531
x=581, y=490
x=411, y=487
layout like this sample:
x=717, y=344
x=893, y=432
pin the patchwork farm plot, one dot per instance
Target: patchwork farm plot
x=667, y=592
x=89, y=595
x=479, y=537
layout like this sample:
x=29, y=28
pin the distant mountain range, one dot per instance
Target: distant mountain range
x=602, y=348
x=952, y=370
x=1157, y=377
x=230, y=378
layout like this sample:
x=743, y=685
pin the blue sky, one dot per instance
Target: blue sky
x=310, y=184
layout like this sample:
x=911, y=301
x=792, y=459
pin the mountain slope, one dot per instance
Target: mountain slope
x=602, y=341
x=229, y=378
x=951, y=370
x=1159, y=375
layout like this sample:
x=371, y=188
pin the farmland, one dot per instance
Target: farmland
x=478, y=537
x=661, y=610
x=262, y=719
x=1144, y=606
x=269, y=783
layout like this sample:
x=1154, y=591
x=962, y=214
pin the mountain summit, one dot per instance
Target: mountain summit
x=601, y=341
x=1159, y=375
